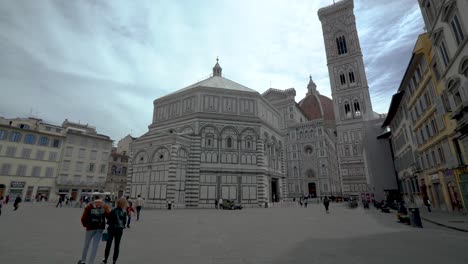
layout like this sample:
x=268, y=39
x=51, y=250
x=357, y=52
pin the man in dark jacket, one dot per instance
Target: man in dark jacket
x=17, y=202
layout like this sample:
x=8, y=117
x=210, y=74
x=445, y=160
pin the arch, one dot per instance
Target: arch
x=227, y=128
x=247, y=129
x=161, y=154
x=140, y=157
x=229, y=142
x=182, y=153
x=187, y=130
x=463, y=70
x=206, y=126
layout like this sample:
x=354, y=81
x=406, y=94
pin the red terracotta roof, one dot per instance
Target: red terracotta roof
x=314, y=104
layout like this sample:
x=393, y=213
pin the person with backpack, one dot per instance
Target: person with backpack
x=94, y=220
x=117, y=220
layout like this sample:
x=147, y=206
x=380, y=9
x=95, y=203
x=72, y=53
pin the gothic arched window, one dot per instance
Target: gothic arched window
x=229, y=142
x=342, y=79
x=347, y=109
x=357, y=108
x=351, y=77
x=341, y=45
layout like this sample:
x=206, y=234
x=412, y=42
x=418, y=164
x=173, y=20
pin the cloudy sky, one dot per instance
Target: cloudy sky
x=104, y=62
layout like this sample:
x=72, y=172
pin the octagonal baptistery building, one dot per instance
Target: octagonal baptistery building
x=213, y=139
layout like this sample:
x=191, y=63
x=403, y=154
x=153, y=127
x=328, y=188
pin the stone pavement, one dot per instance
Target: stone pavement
x=453, y=220
x=283, y=235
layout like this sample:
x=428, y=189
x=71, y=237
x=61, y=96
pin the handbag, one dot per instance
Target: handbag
x=105, y=236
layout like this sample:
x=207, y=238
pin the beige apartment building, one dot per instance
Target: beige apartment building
x=83, y=165
x=30, y=152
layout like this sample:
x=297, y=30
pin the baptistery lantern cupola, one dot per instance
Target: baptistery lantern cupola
x=217, y=70
x=311, y=87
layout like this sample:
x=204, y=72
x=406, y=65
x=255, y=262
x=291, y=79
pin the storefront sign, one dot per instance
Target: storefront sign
x=43, y=189
x=17, y=184
x=434, y=177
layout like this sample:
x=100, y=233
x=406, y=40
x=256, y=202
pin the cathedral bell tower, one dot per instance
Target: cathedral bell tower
x=350, y=91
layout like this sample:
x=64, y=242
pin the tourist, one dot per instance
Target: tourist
x=139, y=205
x=130, y=211
x=305, y=202
x=60, y=201
x=18, y=200
x=326, y=203
x=67, y=200
x=7, y=199
x=116, y=221
x=216, y=203
x=1, y=204
x=220, y=203
x=169, y=205
x=428, y=204
x=94, y=220
x=300, y=201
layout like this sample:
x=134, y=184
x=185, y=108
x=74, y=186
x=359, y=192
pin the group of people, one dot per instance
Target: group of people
x=96, y=215
x=4, y=201
x=303, y=201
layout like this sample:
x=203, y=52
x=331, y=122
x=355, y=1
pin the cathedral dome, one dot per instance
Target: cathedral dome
x=315, y=105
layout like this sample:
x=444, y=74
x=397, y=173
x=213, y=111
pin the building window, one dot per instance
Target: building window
x=66, y=165
x=40, y=155
x=3, y=134
x=342, y=79
x=52, y=156
x=357, y=109
x=93, y=155
x=26, y=153
x=43, y=141
x=5, y=169
x=457, y=29
x=30, y=139
x=113, y=170
x=91, y=167
x=347, y=109
x=69, y=152
x=341, y=45
x=15, y=137
x=429, y=13
x=103, y=168
x=56, y=143
x=351, y=77
x=21, y=170
x=444, y=53
x=81, y=153
x=79, y=166
x=49, y=172
x=11, y=151
x=229, y=142
x=36, y=172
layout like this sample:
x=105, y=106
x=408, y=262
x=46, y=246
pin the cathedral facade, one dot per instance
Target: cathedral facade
x=218, y=139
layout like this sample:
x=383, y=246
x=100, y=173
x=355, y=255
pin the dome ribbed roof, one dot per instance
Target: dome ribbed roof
x=317, y=106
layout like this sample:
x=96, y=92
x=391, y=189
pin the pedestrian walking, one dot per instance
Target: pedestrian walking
x=94, y=220
x=220, y=203
x=305, y=202
x=300, y=201
x=428, y=204
x=7, y=199
x=130, y=212
x=216, y=203
x=116, y=221
x=169, y=205
x=67, y=200
x=139, y=204
x=326, y=203
x=18, y=200
x=60, y=201
x=1, y=204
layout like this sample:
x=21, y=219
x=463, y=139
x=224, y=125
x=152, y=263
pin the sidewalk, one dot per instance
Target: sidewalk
x=453, y=220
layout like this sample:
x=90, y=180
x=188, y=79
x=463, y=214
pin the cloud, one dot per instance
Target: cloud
x=104, y=62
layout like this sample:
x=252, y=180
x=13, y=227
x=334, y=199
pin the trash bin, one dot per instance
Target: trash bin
x=415, y=217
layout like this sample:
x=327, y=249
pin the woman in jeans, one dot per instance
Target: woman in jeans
x=117, y=220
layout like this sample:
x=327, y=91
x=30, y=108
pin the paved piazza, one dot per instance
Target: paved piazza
x=43, y=234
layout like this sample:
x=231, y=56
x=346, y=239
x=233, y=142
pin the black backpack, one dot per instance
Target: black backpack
x=97, y=216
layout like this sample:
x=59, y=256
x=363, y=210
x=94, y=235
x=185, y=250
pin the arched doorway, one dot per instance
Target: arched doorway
x=312, y=190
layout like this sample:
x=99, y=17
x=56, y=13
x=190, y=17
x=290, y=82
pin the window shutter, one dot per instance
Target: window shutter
x=437, y=156
x=450, y=159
